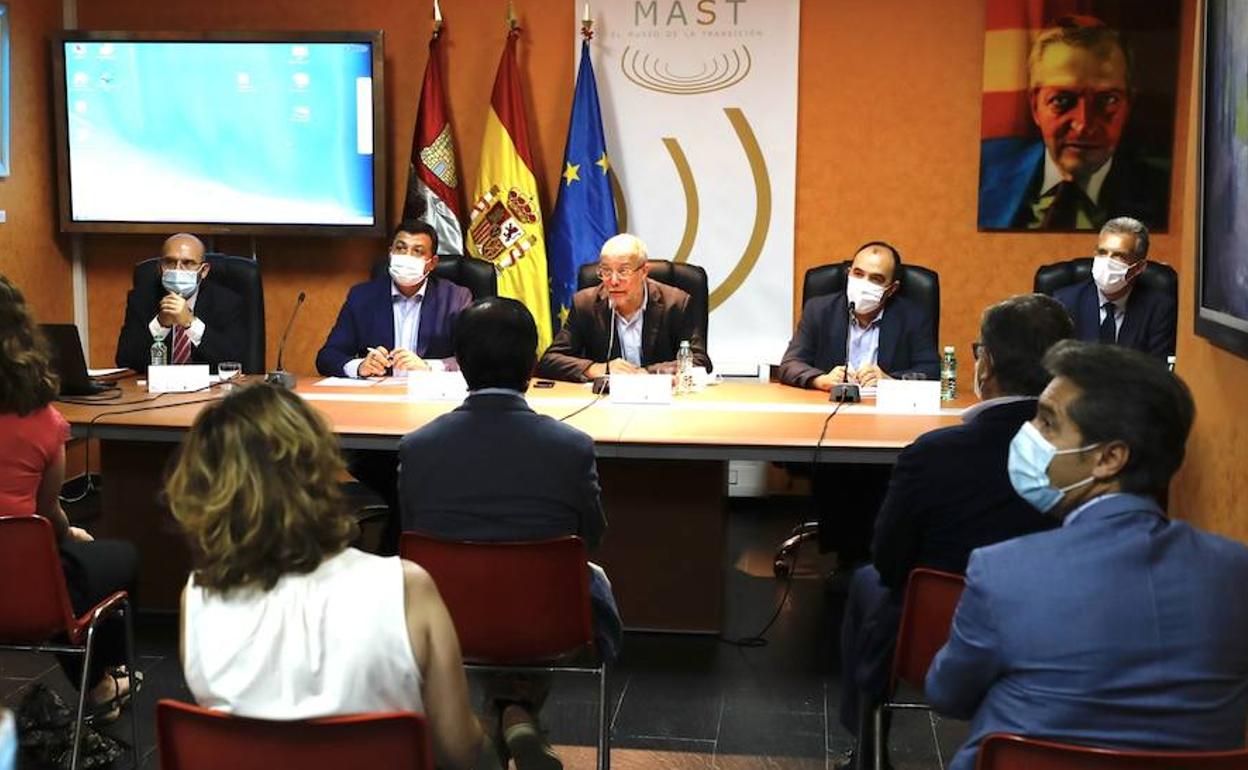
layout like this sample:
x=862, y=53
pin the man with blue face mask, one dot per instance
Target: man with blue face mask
x=1122, y=628
x=1113, y=307
x=196, y=317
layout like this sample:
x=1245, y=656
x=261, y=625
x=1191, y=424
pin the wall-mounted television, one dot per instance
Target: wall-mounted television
x=252, y=133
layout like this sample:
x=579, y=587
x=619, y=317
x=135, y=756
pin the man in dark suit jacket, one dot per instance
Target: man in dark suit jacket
x=495, y=470
x=196, y=318
x=949, y=493
x=1122, y=628
x=651, y=319
x=888, y=336
x=402, y=322
x=1143, y=319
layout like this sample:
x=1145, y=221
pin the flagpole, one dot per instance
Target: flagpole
x=587, y=25
x=513, y=25
x=437, y=20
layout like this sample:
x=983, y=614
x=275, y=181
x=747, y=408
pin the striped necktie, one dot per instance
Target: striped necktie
x=181, y=351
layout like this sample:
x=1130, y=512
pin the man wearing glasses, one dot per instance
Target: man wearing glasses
x=627, y=324
x=197, y=318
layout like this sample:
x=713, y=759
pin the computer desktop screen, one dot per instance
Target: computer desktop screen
x=220, y=135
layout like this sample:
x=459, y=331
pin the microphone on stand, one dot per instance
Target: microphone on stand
x=846, y=391
x=280, y=376
x=603, y=384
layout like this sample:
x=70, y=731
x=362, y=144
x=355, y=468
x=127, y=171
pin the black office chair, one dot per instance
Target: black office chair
x=475, y=275
x=690, y=279
x=240, y=275
x=919, y=285
x=1058, y=275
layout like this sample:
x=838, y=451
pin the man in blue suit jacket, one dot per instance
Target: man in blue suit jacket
x=402, y=322
x=1144, y=319
x=1122, y=628
x=948, y=495
x=883, y=336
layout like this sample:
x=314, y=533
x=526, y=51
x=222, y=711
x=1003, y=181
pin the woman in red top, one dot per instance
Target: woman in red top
x=32, y=469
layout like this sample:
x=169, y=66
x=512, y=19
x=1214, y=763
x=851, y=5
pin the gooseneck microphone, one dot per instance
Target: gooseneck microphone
x=603, y=384
x=280, y=376
x=846, y=391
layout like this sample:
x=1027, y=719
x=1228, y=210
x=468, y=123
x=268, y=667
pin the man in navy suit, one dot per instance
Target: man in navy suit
x=1122, y=628
x=948, y=495
x=535, y=478
x=401, y=322
x=861, y=335
x=1111, y=307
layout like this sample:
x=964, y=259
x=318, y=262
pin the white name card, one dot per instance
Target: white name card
x=177, y=378
x=436, y=386
x=641, y=388
x=908, y=397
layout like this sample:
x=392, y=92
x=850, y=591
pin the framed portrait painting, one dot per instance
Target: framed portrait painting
x=1222, y=260
x=1077, y=113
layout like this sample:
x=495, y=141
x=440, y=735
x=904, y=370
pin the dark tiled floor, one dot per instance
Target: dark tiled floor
x=676, y=701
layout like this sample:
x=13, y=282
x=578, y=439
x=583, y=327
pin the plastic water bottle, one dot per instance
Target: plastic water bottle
x=948, y=375
x=1170, y=363
x=684, y=368
x=160, y=353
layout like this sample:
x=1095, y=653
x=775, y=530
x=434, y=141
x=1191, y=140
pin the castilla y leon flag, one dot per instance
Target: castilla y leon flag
x=432, y=179
x=505, y=223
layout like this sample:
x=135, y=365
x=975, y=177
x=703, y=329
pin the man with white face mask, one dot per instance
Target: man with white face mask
x=1112, y=307
x=864, y=334
x=197, y=318
x=1122, y=628
x=401, y=322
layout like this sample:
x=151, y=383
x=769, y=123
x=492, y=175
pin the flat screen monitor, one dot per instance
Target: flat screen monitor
x=220, y=132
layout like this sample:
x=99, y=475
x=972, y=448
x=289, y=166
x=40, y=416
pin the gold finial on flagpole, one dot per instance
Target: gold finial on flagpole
x=587, y=24
x=512, y=23
x=437, y=18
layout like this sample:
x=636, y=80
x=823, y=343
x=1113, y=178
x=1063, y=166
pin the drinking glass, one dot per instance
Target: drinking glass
x=228, y=370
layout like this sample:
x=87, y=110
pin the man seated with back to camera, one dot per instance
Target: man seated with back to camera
x=861, y=335
x=495, y=470
x=1123, y=627
x=642, y=321
x=198, y=319
x=400, y=322
x=949, y=494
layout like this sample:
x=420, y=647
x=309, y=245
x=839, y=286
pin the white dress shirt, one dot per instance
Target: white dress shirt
x=864, y=343
x=1120, y=309
x=629, y=331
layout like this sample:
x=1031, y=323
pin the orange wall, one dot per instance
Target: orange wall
x=1212, y=487
x=31, y=252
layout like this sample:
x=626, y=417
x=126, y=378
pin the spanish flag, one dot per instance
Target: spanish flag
x=505, y=223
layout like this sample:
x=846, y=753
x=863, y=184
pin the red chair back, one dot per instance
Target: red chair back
x=34, y=604
x=931, y=599
x=194, y=738
x=511, y=602
x=1014, y=752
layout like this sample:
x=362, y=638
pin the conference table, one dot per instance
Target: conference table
x=663, y=470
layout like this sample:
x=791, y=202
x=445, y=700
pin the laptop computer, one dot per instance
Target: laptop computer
x=68, y=361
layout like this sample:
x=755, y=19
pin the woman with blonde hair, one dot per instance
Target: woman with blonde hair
x=32, y=469
x=281, y=619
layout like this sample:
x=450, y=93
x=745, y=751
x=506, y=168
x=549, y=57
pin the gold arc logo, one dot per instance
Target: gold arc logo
x=650, y=72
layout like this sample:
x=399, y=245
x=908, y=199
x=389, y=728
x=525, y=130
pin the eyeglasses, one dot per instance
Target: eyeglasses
x=170, y=263
x=977, y=350
x=624, y=273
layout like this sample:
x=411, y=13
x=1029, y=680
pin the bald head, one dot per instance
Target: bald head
x=625, y=246
x=183, y=246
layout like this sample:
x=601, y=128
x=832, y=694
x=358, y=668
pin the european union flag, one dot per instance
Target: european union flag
x=584, y=211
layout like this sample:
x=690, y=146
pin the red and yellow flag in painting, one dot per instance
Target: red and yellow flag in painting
x=505, y=223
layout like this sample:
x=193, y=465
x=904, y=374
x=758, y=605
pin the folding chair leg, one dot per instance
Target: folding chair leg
x=604, y=723
x=877, y=739
x=83, y=686
x=131, y=661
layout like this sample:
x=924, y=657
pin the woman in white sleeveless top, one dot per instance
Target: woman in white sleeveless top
x=280, y=619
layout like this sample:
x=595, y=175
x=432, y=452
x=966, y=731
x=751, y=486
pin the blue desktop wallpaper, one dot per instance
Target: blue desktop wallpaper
x=228, y=132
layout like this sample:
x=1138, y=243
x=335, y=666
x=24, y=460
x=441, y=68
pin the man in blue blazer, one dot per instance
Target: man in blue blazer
x=861, y=335
x=1122, y=628
x=1142, y=318
x=884, y=335
x=402, y=322
x=949, y=494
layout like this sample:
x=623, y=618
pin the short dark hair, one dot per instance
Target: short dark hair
x=417, y=227
x=1130, y=397
x=1017, y=332
x=889, y=248
x=496, y=344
